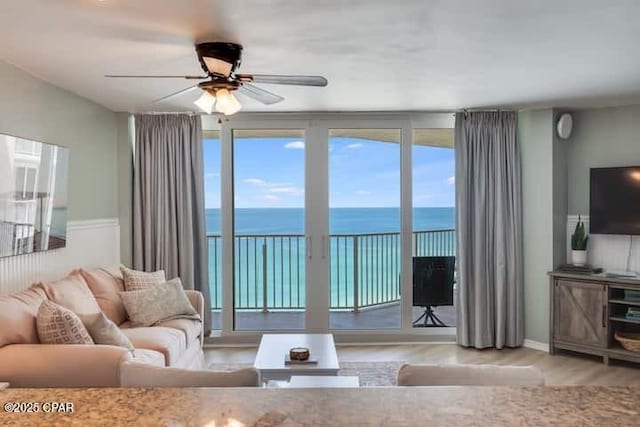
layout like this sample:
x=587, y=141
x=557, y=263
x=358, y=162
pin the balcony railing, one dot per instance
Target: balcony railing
x=364, y=268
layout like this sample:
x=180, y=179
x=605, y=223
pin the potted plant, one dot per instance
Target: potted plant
x=579, y=241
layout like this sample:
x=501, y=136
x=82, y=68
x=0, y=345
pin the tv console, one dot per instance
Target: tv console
x=585, y=312
x=621, y=274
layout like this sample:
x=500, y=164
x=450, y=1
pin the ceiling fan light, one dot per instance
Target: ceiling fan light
x=218, y=66
x=227, y=104
x=206, y=102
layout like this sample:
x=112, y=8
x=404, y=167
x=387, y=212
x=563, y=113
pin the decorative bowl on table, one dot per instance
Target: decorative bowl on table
x=299, y=353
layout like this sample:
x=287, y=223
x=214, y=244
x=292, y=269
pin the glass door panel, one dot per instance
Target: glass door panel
x=212, y=163
x=433, y=184
x=364, y=227
x=269, y=235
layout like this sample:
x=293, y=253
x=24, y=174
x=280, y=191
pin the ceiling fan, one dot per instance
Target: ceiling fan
x=220, y=60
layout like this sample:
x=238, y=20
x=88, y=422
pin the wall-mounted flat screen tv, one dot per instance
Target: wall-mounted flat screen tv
x=615, y=201
x=33, y=196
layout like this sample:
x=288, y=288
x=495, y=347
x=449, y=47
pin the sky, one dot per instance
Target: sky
x=269, y=173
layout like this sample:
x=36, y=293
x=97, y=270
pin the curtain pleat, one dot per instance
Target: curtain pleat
x=489, y=230
x=168, y=201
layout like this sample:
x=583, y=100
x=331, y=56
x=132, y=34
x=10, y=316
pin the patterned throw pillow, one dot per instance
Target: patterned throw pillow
x=168, y=300
x=104, y=331
x=135, y=280
x=58, y=325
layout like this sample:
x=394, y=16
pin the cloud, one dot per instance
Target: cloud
x=363, y=192
x=212, y=174
x=255, y=181
x=355, y=145
x=271, y=198
x=451, y=180
x=291, y=191
x=262, y=183
x=295, y=145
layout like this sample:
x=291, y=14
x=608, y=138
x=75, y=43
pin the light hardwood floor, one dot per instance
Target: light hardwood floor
x=562, y=369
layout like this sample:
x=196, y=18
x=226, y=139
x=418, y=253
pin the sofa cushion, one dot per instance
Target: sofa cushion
x=58, y=325
x=148, y=357
x=73, y=293
x=190, y=328
x=104, y=331
x=168, y=341
x=18, y=316
x=135, y=375
x=106, y=288
x=135, y=280
x=146, y=307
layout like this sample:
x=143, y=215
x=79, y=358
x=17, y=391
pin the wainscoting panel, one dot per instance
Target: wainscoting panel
x=91, y=243
x=606, y=251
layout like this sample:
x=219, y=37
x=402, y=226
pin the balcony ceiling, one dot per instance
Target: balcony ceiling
x=378, y=55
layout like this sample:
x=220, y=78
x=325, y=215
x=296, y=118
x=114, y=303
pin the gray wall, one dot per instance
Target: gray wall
x=556, y=183
x=601, y=137
x=31, y=108
x=535, y=133
x=560, y=194
x=125, y=186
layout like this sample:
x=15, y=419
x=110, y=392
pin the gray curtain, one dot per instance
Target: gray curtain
x=489, y=230
x=168, y=200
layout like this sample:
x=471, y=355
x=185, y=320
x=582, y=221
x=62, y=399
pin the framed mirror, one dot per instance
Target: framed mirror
x=33, y=196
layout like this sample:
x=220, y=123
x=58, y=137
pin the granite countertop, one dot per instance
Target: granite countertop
x=392, y=406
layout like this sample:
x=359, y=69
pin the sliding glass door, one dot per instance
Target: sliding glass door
x=321, y=223
x=434, y=235
x=211, y=152
x=268, y=227
x=364, y=229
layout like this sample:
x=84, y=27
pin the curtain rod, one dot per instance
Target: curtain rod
x=452, y=112
x=483, y=110
x=156, y=113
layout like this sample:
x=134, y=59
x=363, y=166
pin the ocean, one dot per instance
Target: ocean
x=341, y=220
x=364, y=249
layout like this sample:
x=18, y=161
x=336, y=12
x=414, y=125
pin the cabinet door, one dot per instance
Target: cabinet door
x=580, y=313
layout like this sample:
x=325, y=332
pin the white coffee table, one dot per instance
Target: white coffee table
x=316, y=381
x=273, y=348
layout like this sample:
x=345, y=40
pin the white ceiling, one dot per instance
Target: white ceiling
x=377, y=54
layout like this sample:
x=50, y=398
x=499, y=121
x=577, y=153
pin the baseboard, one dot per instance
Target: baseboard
x=536, y=345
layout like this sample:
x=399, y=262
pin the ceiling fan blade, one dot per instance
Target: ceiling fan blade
x=180, y=92
x=282, y=79
x=259, y=94
x=135, y=76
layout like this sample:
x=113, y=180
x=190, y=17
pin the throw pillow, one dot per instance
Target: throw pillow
x=104, y=331
x=71, y=292
x=147, y=307
x=135, y=280
x=106, y=288
x=58, y=325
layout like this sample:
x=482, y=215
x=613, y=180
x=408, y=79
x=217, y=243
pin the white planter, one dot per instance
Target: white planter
x=579, y=257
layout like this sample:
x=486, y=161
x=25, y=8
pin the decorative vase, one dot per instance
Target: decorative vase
x=579, y=258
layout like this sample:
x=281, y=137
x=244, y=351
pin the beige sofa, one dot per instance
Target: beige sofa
x=24, y=362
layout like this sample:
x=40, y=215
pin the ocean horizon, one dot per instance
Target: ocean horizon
x=341, y=220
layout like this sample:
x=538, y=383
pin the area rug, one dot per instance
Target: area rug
x=371, y=374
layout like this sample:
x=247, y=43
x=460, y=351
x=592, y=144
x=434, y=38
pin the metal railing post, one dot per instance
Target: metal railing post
x=264, y=277
x=356, y=295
